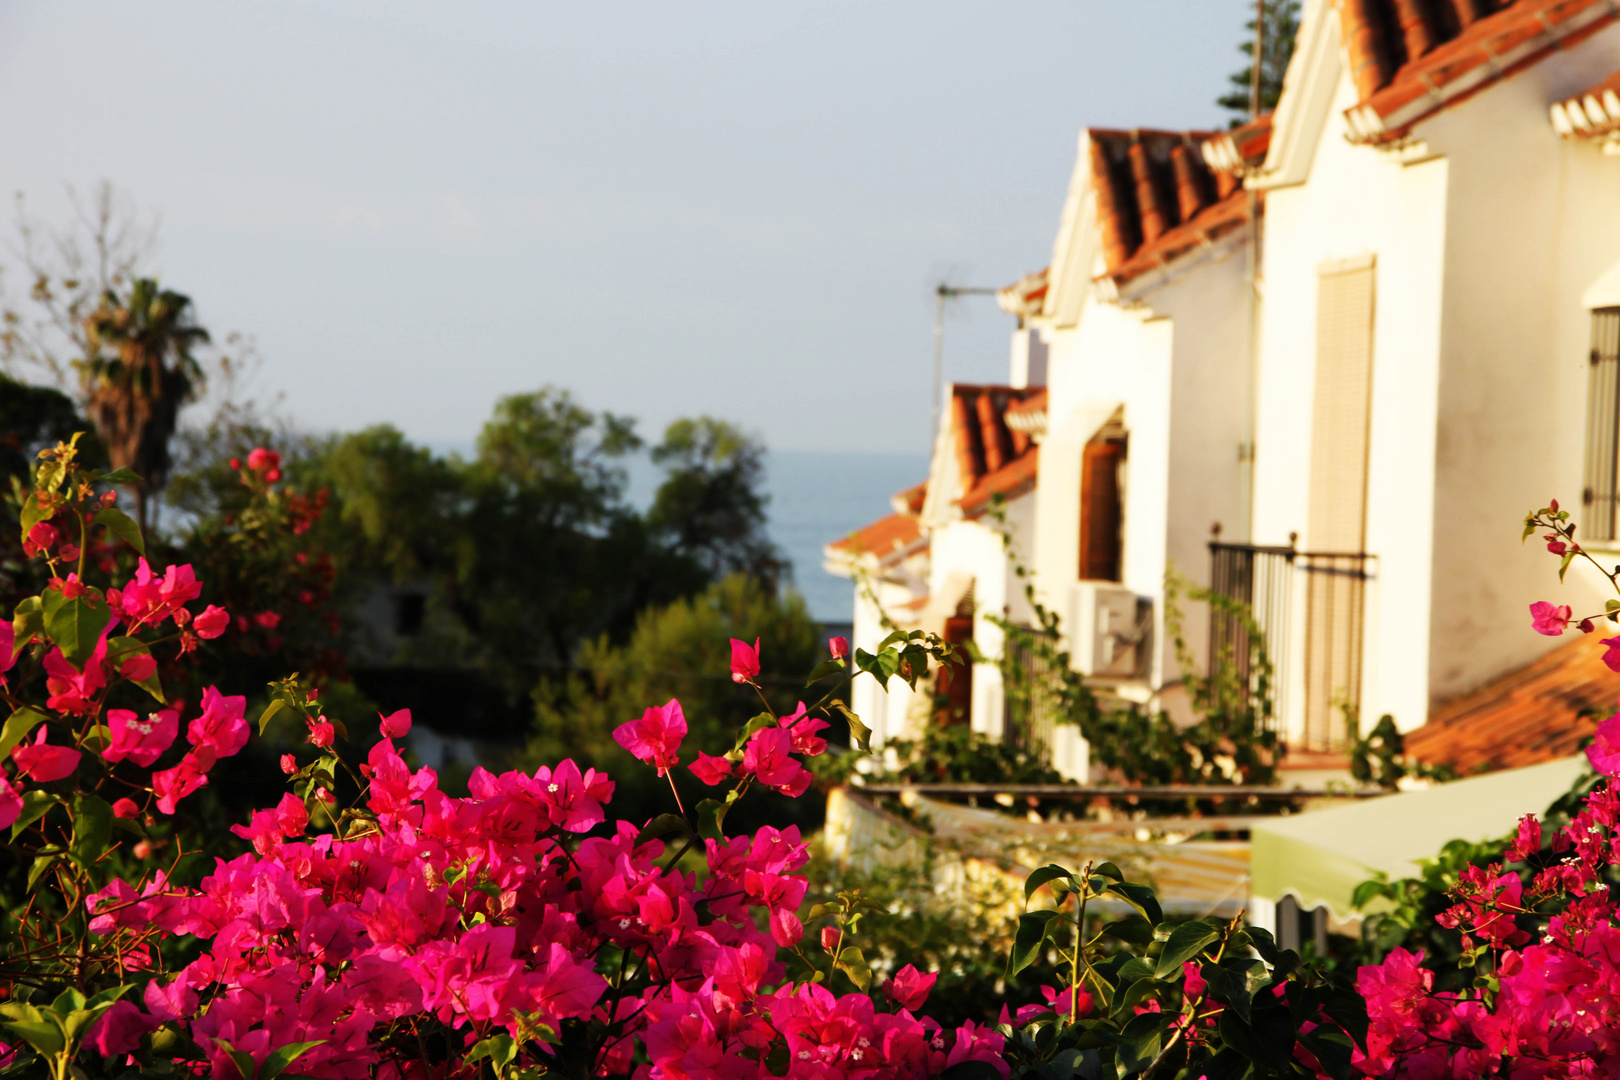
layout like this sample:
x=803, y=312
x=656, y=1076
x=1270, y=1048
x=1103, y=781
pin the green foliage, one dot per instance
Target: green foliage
x=1401, y=913
x=710, y=504
x=1281, y=28
x=959, y=755
x=1380, y=758
x=681, y=650
x=1232, y=740
x=1199, y=1000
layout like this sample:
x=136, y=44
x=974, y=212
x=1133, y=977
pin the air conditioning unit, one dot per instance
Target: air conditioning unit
x=1105, y=632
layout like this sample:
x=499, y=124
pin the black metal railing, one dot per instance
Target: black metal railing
x=1599, y=494
x=1335, y=610
x=1029, y=679
x=1261, y=579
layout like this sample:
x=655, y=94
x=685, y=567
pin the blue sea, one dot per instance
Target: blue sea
x=819, y=496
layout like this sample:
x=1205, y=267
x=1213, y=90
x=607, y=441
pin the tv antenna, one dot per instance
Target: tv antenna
x=943, y=292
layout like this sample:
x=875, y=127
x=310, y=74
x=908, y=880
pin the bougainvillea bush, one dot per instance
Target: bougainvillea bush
x=375, y=926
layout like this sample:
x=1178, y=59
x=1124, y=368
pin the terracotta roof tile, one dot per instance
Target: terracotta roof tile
x=1538, y=713
x=1411, y=58
x=1162, y=194
x=884, y=538
x=994, y=456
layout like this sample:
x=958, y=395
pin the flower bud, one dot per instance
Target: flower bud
x=829, y=938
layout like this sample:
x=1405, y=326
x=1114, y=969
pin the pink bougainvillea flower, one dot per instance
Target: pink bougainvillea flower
x=711, y=770
x=803, y=729
x=172, y=785
x=72, y=690
x=322, y=733
x=138, y=668
x=125, y=808
x=656, y=737
x=909, y=988
x=260, y=460
x=744, y=660
x=267, y=620
x=222, y=726
x=141, y=740
x=769, y=757
x=11, y=803
x=289, y=764
x=212, y=622
x=1611, y=652
x=40, y=538
x=119, y=1029
x=1555, y=545
x=1585, y=626
x=1549, y=620
x=1526, y=841
x=40, y=761
x=1604, y=752
x=396, y=725
x=839, y=647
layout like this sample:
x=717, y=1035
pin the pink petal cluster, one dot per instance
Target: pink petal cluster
x=1556, y=1009
x=656, y=737
x=488, y=913
x=744, y=661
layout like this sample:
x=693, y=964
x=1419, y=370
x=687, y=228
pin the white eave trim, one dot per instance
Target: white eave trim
x=1306, y=102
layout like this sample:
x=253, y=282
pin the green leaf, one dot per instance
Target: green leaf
x=31, y=514
x=1332, y=1050
x=270, y=710
x=1186, y=942
x=824, y=669
x=892, y=639
x=1032, y=930
x=17, y=727
x=27, y=622
x=662, y=825
x=1049, y=872
x=1135, y=930
x=860, y=736
x=711, y=815
x=1141, y=898
x=75, y=624
x=853, y=963
x=755, y=724
x=41, y=864
x=1108, y=870
x=1228, y=988
x=121, y=523
x=1563, y=566
x=120, y=649
x=1263, y=943
x=119, y=476
x=92, y=827
x=1143, y=1038
x=36, y=804
x=282, y=1056
x=45, y=1036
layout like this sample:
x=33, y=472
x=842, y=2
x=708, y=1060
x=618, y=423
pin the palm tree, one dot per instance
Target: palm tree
x=138, y=374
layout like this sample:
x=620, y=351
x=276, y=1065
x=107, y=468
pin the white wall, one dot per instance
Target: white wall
x=1179, y=368
x=1358, y=202
x=1533, y=222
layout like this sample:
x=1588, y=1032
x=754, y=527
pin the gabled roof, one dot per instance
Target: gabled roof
x=1411, y=58
x=992, y=456
x=1531, y=715
x=883, y=540
x=1592, y=114
x=1158, y=198
x=1026, y=296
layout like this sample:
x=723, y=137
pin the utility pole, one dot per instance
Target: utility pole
x=942, y=293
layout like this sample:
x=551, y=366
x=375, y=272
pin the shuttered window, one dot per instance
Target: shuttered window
x=1335, y=568
x=1602, y=427
x=1339, y=420
x=1100, y=510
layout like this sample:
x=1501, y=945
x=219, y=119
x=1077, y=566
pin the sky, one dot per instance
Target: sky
x=669, y=209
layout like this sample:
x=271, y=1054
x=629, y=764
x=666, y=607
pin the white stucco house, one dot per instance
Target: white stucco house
x=1324, y=363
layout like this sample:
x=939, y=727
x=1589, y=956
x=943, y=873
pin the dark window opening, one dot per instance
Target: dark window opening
x=1101, y=515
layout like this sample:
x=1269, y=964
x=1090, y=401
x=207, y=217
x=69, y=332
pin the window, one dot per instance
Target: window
x=1100, y=510
x=1336, y=566
x=1602, y=427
